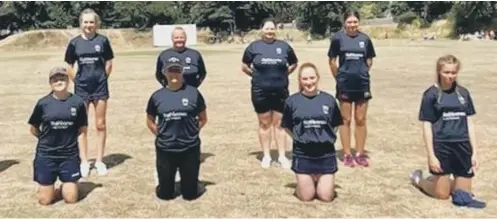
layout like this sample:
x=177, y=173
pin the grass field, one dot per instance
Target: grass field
x=236, y=185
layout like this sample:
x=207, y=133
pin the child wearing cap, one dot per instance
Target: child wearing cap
x=56, y=121
x=180, y=111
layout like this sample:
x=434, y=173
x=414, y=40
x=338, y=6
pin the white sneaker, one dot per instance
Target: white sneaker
x=266, y=162
x=284, y=162
x=84, y=169
x=101, y=168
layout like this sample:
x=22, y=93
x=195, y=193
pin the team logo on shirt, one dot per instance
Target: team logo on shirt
x=184, y=101
x=326, y=109
x=97, y=48
x=188, y=60
x=73, y=111
x=361, y=44
x=278, y=51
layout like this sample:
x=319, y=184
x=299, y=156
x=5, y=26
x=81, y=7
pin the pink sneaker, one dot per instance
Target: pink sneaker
x=361, y=160
x=348, y=160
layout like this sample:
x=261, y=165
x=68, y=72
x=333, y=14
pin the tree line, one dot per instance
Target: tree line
x=320, y=18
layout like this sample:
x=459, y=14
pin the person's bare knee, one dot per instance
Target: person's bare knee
x=101, y=124
x=70, y=192
x=276, y=120
x=326, y=188
x=305, y=190
x=265, y=121
x=442, y=187
x=100, y=114
x=360, y=114
x=46, y=195
x=346, y=111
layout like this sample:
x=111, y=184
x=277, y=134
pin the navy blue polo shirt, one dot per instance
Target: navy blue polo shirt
x=194, y=69
x=59, y=122
x=448, y=112
x=270, y=62
x=177, y=113
x=312, y=120
x=91, y=55
x=352, y=52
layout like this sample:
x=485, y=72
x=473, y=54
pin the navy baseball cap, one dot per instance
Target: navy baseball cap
x=173, y=64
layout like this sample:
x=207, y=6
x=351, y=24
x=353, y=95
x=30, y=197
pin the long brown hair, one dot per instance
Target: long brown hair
x=302, y=67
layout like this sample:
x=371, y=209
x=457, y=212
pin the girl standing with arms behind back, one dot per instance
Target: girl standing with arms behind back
x=93, y=54
x=355, y=52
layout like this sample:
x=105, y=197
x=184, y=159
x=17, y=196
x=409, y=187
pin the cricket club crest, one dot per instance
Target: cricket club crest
x=361, y=44
x=184, y=101
x=326, y=109
x=188, y=60
x=97, y=48
x=73, y=111
x=278, y=51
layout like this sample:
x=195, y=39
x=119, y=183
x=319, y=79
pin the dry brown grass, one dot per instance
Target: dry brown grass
x=238, y=186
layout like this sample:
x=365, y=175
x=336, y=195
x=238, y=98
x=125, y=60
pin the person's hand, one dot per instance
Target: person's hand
x=474, y=162
x=434, y=164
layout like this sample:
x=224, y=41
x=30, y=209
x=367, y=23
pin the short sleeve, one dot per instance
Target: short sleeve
x=292, y=57
x=108, y=52
x=36, y=116
x=151, y=108
x=334, y=49
x=370, y=52
x=70, y=56
x=248, y=55
x=287, y=117
x=82, y=119
x=427, y=108
x=471, y=107
x=336, y=119
x=200, y=103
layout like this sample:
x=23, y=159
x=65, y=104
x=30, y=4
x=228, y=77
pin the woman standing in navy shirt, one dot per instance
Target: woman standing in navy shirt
x=446, y=113
x=269, y=62
x=93, y=54
x=57, y=120
x=311, y=117
x=355, y=52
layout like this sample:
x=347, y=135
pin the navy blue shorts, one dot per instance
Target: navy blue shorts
x=47, y=170
x=455, y=158
x=310, y=166
x=353, y=96
x=265, y=100
x=90, y=92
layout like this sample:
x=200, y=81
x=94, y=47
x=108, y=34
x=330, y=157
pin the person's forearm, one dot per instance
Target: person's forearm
x=333, y=67
x=472, y=134
x=292, y=68
x=370, y=64
x=428, y=139
x=247, y=70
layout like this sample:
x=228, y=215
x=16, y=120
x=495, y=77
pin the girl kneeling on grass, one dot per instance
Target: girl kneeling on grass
x=446, y=112
x=57, y=120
